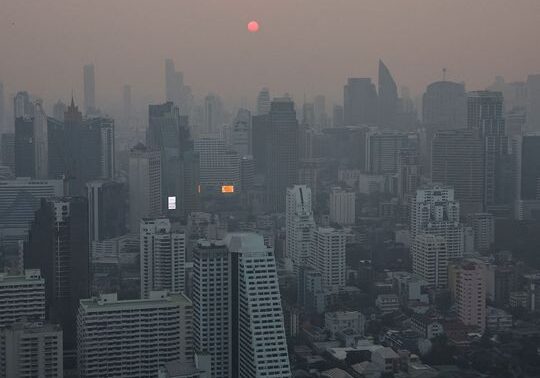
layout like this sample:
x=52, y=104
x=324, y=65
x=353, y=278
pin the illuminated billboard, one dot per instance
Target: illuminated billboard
x=227, y=189
x=172, y=203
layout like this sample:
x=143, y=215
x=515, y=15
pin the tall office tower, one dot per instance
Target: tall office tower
x=7, y=150
x=71, y=140
x=533, y=102
x=163, y=256
x=430, y=259
x=89, y=81
x=337, y=116
x=383, y=149
x=213, y=115
x=308, y=115
x=409, y=174
x=107, y=208
x=58, y=245
x=144, y=333
x=319, y=110
x=22, y=105
x=360, y=102
x=485, y=116
x=228, y=282
x=19, y=200
x=219, y=165
x=247, y=173
x=144, y=185
x=41, y=154
x=23, y=297
x=516, y=123
x=175, y=89
x=103, y=150
x=263, y=102
x=241, y=133
x=24, y=147
x=388, y=98
x=434, y=211
x=58, y=111
x=126, y=105
x=2, y=110
x=457, y=160
x=300, y=225
x=259, y=140
x=528, y=173
x=328, y=256
x=470, y=292
x=483, y=225
x=282, y=151
x=342, y=206
x=444, y=106
x=31, y=350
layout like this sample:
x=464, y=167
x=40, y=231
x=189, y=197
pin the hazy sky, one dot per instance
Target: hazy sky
x=307, y=46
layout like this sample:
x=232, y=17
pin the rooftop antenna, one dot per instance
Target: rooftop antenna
x=444, y=74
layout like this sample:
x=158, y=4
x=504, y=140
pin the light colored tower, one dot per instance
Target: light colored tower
x=328, y=256
x=299, y=225
x=89, y=89
x=470, y=292
x=342, y=206
x=23, y=297
x=430, y=259
x=144, y=185
x=263, y=102
x=163, y=257
x=434, y=211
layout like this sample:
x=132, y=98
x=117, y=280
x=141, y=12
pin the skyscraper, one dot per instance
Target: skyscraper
x=144, y=185
x=470, y=292
x=383, y=150
x=127, y=107
x=328, y=256
x=143, y=333
x=24, y=147
x=430, y=259
x=241, y=133
x=457, y=160
x=58, y=245
x=41, y=154
x=58, y=110
x=230, y=280
x=263, y=102
x=444, y=106
x=107, y=208
x=300, y=225
x=342, y=206
x=219, y=165
x=89, y=89
x=175, y=89
x=337, y=116
x=360, y=102
x=434, y=211
x=163, y=256
x=533, y=102
x=2, y=110
x=213, y=115
x=7, y=150
x=387, y=99
x=282, y=151
x=22, y=105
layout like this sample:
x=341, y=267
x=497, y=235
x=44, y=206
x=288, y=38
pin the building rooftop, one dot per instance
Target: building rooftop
x=110, y=302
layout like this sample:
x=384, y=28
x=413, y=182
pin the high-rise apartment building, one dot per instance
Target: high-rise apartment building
x=457, y=161
x=89, y=81
x=31, y=350
x=300, y=225
x=162, y=256
x=444, y=106
x=328, y=256
x=342, y=206
x=23, y=297
x=144, y=185
x=470, y=292
x=141, y=335
x=430, y=259
x=483, y=225
x=434, y=211
x=107, y=208
x=237, y=308
x=360, y=102
x=383, y=150
x=282, y=151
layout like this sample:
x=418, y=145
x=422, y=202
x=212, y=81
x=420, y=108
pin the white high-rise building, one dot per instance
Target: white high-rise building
x=328, y=256
x=430, y=259
x=139, y=337
x=144, y=185
x=29, y=350
x=342, y=206
x=22, y=297
x=434, y=211
x=299, y=224
x=237, y=308
x=162, y=256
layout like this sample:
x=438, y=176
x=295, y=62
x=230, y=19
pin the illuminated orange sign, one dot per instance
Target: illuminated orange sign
x=227, y=189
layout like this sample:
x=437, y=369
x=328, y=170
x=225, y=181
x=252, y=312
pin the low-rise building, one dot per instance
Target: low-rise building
x=386, y=359
x=497, y=319
x=387, y=303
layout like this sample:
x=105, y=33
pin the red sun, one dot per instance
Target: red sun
x=253, y=26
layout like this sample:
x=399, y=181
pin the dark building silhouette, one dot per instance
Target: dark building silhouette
x=388, y=99
x=89, y=79
x=529, y=168
x=24, y=147
x=107, y=208
x=58, y=245
x=7, y=150
x=259, y=136
x=360, y=102
x=281, y=151
x=444, y=106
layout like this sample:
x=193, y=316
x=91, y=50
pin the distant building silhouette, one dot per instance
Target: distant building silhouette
x=360, y=102
x=263, y=102
x=444, y=106
x=89, y=80
x=388, y=100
